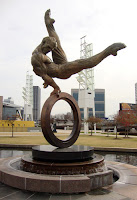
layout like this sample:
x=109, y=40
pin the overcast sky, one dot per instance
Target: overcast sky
x=102, y=21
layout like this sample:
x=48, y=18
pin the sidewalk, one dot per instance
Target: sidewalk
x=60, y=132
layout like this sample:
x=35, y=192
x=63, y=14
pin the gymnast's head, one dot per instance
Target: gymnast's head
x=48, y=44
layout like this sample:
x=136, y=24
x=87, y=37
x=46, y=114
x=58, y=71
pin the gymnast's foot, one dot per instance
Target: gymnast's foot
x=112, y=49
x=48, y=21
x=45, y=85
x=56, y=91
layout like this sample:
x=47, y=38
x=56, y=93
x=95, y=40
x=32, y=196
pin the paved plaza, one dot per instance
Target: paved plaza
x=9, y=193
x=123, y=189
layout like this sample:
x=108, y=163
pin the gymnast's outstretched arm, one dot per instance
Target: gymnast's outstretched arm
x=49, y=81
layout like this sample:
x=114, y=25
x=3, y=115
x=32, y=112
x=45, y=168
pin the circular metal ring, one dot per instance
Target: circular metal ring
x=45, y=120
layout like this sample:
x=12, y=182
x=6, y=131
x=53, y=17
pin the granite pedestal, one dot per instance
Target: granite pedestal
x=80, y=171
x=47, y=159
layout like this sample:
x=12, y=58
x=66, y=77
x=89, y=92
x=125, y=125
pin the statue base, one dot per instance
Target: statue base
x=74, y=153
x=74, y=160
x=88, y=172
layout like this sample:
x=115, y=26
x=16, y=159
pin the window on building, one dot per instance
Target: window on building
x=99, y=96
x=90, y=114
x=75, y=95
x=82, y=109
x=82, y=115
x=100, y=115
x=99, y=107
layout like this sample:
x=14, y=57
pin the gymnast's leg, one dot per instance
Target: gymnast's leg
x=70, y=68
x=58, y=54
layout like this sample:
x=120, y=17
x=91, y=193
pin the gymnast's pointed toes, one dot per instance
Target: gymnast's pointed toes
x=114, y=48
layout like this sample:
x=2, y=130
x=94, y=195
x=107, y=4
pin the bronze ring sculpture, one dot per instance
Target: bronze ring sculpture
x=45, y=120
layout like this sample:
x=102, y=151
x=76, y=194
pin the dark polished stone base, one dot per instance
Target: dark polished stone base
x=74, y=153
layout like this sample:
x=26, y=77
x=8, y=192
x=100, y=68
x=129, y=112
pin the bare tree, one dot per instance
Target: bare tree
x=93, y=120
x=11, y=121
x=116, y=123
x=108, y=124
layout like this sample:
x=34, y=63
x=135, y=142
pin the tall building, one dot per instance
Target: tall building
x=99, y=103
x=28, y=98
x=36, y=103
x=1, y=106
x=135, y=93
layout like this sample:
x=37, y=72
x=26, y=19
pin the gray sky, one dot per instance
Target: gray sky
x=104, y=22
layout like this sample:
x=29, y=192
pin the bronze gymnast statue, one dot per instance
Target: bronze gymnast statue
x=60, y=67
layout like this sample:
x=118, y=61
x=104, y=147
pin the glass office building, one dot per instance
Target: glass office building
x=10, y=110
x=99, y=103
x=36, y=103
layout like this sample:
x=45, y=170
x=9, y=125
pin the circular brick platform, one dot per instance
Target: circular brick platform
x=11, y=175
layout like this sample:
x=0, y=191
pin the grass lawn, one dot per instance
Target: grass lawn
x=102, y=141
x=95, y=141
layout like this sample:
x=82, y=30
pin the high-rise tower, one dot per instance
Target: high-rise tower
x=36, y=103
x=1, y=106
x=28, y=98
